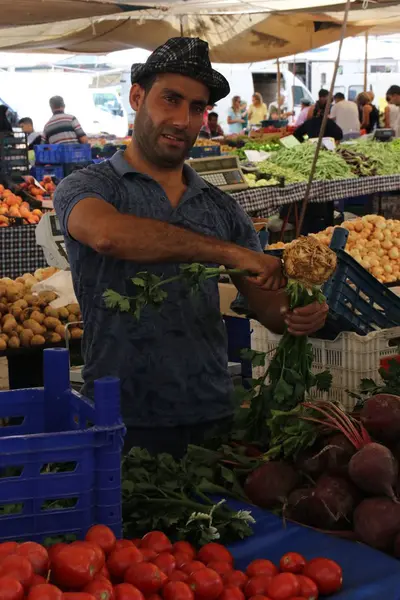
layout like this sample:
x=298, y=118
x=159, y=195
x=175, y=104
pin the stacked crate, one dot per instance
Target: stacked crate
x=59, y=160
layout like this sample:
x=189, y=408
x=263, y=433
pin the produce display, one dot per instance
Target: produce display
x=373, y=241
x=360, y=164
x=253, y=181
x=27, y=319
x=385, y=156
x=270, y=168
x=330, y=165
x=14, y=210
x=259, y=145
x=103, y=568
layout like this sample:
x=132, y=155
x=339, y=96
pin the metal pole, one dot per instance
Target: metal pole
x=278, y=85
x=324, y=122
x=366, y=62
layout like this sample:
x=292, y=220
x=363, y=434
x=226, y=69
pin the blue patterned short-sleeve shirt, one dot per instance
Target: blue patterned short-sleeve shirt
x=172, y=363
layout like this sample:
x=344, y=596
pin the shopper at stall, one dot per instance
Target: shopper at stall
x=392, y=110
x=312, y=127
x=146, y=210
x=257, y=110
x=303, y=115
x=345, y=114
x=236, y=120
x=368, y=113
x=34, y=138
x=213, y=129
x=318, y=109
x=62, y=128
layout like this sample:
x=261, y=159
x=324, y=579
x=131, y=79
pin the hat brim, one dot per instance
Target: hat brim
x=214, y=81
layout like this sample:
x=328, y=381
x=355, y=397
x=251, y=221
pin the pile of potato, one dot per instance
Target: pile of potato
x=27, y=319
x=373, y=241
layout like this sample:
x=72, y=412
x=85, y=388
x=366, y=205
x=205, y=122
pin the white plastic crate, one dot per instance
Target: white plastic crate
x=349, y=358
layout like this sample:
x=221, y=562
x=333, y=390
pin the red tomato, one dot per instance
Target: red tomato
x=7, y=548
x=105, y=572
x=137, y=542
x=126, y=591
x=283, y=586
x=232, y=593
x=154, y=597
x=193, y=566
x=11, y=589
x=181, y=559
x=258, y=585
x=119, y=560
x=214, y=551
x=119, y=544
x=146, y=577
x=17, y=567
x=101, y=589
x=45, y=591
x=157, y=541
x=297, y=598
x=103, y=536
x=177, y=590
x=261, y=566
x=220, y=567
x=326, y=573
x=185, y=548
x=308, y=587
x=165, y=562
x=259, y=597
x=206, y=584
x=37, y=580
x=100, y=557
x=78, y=596
x=148, y=555
x=37, y=556
x=54, y=550
x=74, y=567
x=235, y=578
x=178, y=576
x=292, y=562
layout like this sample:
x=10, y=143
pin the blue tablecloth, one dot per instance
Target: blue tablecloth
x=367, y=573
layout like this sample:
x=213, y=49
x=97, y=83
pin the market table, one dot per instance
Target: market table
x=19, y=252
x=367, y=573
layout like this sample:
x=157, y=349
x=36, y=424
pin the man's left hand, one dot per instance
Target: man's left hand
x=308, y=319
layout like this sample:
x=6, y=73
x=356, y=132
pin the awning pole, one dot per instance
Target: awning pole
x=366, y=62
x=324, y=122
x=278, y=85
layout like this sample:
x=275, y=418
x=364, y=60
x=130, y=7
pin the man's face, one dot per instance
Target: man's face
x=323, y=100
x=168, y=118
x=26, y=127
x=395, y=99
x=213, y=122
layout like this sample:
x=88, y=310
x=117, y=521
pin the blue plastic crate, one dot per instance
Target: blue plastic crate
x=39, y=171
x=59, y=446
x=205, y=151
x=76, y=153
x=48, y=154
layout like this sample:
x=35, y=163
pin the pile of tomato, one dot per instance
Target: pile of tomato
x=152, y=568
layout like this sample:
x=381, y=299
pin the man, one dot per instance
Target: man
x=312, y=127
x=303, y=115
x=392, y=111
x=345, y=114
x=213, y=129
x=61, y=127
x=318, y=109
x=34, y=138
x=145, y=210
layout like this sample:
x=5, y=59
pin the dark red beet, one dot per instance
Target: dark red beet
x=311, y=463
x=339, y=451
x=339, y=496
x=380, y=416
x=305, y=507
x=374, y=469
x=269, y=485
x=376, y=522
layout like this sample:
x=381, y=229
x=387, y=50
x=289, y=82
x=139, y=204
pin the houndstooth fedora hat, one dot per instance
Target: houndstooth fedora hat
x=184, y=56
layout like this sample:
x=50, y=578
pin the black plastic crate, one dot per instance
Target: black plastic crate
x=14, y=154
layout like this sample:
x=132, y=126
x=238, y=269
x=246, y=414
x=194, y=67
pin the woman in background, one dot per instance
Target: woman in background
x=235, y=117
x=258, y=110
x=369, y=114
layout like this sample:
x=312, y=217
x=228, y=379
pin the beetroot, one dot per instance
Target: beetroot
x=305, y=507
x=339, y=451
x=380, y=416
x=377, y=522
x=269, y=485
x=339, y=497
x=374, y=469
x=311, y=463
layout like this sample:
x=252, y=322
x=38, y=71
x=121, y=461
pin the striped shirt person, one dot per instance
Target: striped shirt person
x=62, y=128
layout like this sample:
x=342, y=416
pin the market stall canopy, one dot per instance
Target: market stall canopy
x=236, y=37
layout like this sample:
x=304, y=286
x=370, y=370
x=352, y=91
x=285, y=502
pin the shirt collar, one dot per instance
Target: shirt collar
x=122, y=167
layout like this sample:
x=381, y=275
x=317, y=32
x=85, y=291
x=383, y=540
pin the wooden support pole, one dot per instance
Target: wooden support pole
x=278, y=85
x=366, y=63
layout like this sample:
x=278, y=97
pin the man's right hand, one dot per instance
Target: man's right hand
x=267, y=269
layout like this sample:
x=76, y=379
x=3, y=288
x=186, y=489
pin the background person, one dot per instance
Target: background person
x=368, y=113
x=303, y=115
x=34, y=138
x=318, y=109
x=213, y=129
x=345, y=114
x=62, y=128
x=392, y=110
x=312, y=127
x=235, y=116
x=257, y=110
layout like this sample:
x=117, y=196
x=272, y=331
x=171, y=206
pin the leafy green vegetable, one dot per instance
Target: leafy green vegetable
x=329, y=164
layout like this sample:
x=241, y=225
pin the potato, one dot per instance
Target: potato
x=3, y=345
x=38, y=340
x=29, y=282
x=47, y=297
x=25, y=336
x=13, y=292
x=36, y=315
x=51, y=323
x=20, y=304
x=51, y=312
x=60, y=330
x=32, y=299
x=4, y=336
x=62, y=313
x=3, y=308
x=73, y=309
x=16, y=312
x=52, y=337
x=3, y=289
x=76, y=334
x=20, y=280
x=6, y=317
x=72, y=318
x=34, y=325
x=14, y=342
x=9, y=325
x=48, y=272
x=19, y=329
